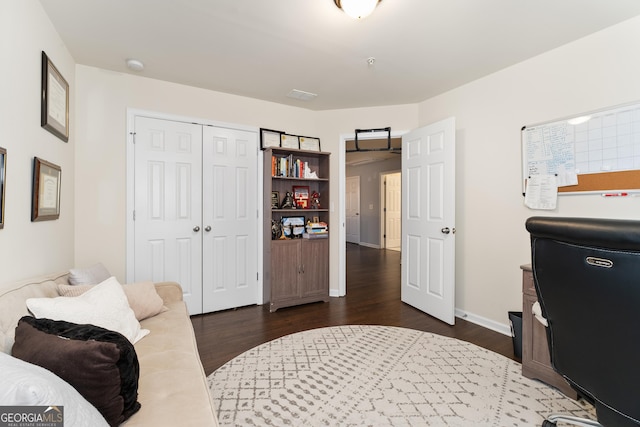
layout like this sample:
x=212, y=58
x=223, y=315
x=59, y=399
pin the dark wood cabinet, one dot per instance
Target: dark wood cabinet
x=303, y=276
x=536, y=361
x=296, y=270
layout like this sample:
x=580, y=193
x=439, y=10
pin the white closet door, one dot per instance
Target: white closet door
x=230, y=223
x=168, y=205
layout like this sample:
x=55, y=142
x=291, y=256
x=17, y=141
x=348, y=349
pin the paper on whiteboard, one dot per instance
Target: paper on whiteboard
x=550, y=150
x=541, y=192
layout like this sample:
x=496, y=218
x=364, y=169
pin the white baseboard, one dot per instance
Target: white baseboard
x=370, y=245
x=503, y=328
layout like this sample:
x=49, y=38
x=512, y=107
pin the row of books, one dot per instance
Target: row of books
x=288, y=167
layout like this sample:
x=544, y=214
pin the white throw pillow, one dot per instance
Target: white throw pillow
x=89, y=276
x=25, y=384
x=104, y=305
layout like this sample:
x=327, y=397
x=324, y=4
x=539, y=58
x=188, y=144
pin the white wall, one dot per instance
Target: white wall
x=491, y=242
x=30, y=248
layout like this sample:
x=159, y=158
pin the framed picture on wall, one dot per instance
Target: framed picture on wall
x=46, y=190
x=54, y=107
x=3, y=178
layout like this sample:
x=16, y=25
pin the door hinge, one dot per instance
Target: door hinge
x=134, y=215
x=133, y=137
x=257, y=276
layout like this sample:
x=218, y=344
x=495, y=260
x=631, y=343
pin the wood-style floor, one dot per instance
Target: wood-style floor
x=373, y=297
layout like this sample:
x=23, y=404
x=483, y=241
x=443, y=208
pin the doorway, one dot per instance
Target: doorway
x=368, y=166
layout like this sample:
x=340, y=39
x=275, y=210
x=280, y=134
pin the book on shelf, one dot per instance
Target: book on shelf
x=288, y=167
x=324, y=235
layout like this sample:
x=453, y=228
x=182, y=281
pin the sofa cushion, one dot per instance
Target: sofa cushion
x=101, y=364
x=13, y=306
x=89, y=276
x=104, y=305
x=25, y=384
x=142, y=296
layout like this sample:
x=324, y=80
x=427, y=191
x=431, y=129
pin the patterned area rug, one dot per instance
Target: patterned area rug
x=380, y=376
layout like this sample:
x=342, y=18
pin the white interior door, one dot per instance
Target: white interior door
x=352, y=207
x=167, y=208
x=230, y=223
x=428, y=219
x=393, y=206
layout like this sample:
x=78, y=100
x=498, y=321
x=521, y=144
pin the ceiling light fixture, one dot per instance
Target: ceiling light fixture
x=135, y=65
x=357, y=9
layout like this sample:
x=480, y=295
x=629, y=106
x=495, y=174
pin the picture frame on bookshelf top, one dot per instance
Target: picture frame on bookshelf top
x=269, y=138
x=309, y=144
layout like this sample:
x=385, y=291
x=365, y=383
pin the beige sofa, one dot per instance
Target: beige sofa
x=172, y=387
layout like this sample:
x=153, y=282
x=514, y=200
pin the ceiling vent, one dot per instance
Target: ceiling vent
x=301, y=95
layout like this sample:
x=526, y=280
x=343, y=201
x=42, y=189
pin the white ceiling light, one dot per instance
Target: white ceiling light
x=357, y=9
x=135, y=65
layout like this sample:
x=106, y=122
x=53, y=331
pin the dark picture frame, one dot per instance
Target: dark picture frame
x=54, y=107
x=293, y=226
x=46, y=190
x=269, y=138
x=275, y=200
x=309, y=144
x=3, y=180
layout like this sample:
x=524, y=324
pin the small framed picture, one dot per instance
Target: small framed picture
x=301, y=196
x=269, y=138
x=54, y=107
x=275, y=200
x=46, y=191
x=293, y=226
x=309, y=144
x=3, y=177
x=289, y=141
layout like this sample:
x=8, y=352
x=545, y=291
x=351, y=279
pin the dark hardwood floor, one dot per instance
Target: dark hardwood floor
x=373, y=297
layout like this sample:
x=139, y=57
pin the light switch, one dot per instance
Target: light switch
x=371, y=207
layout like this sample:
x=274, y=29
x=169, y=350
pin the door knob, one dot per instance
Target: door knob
x=445, y=230
x=196, y=228
x=207, y=228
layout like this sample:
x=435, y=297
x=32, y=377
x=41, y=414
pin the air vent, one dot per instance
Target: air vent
x=301, y=95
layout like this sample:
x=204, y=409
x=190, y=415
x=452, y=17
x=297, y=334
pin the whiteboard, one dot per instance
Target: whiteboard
x=595, y=151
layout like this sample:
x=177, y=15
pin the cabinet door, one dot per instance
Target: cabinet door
x=285, y=269
x=315, y=268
